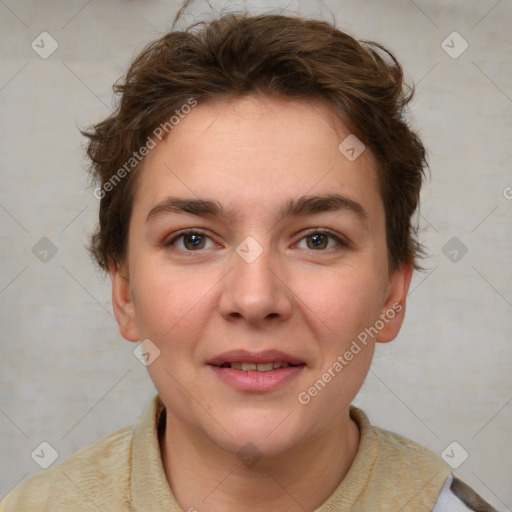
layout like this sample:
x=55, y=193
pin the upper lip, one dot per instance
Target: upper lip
x=244, y=356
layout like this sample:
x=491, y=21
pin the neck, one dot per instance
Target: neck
x=204, y=476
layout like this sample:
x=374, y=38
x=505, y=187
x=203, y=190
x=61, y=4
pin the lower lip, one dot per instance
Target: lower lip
x=257, y=381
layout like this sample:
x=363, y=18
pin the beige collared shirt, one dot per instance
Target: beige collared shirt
x=123, y=471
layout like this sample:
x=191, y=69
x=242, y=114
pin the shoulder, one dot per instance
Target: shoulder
x=409, y=452
x=96, y=475
x=391, y=472
x=457, y=496
x=401, y=453
x=406, y=464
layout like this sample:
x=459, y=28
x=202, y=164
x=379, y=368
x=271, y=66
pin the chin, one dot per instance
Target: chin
x=260, y=435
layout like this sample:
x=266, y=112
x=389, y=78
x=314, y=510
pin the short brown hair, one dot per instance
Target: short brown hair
x=240, y=54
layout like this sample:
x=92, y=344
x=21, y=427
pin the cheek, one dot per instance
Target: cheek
x=168, y=303
x=341, y=306
x=342, y=303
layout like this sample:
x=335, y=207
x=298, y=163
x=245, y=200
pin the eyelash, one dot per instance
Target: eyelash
x=342, y=242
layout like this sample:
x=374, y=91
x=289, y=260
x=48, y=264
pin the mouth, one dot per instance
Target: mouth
x=256, y=371
x=257, y=367
x=263, y=361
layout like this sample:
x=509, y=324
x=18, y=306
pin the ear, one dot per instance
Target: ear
x=122, y=303
x=393, y=310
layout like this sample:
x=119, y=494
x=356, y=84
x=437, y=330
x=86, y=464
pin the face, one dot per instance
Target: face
x=256, y=258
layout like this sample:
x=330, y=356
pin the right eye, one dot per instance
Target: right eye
x=190, y=240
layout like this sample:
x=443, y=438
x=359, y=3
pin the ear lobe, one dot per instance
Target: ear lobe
x=122, y=303
x=393, y=310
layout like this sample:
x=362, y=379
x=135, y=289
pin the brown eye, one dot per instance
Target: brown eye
x=317, y=241
x=194, y=241
x=321, y=240
x=189, y=241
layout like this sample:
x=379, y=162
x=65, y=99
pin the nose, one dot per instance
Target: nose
x=256, y=290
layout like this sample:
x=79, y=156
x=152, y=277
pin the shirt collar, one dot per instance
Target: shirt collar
x=360, y=472
x=151, y=491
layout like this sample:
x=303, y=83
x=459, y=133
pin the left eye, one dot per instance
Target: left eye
x=320, y=240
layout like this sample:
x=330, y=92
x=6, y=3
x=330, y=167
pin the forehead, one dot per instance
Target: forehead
x=255, y=151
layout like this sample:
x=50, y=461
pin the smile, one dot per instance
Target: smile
x=256, y=372
x=257, y=367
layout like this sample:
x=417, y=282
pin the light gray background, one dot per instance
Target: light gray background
x=67, y=376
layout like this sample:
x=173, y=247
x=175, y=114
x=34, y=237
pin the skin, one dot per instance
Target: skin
x=252, y=154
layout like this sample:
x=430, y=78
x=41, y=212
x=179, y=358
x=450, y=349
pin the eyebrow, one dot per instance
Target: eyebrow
x=297, y=207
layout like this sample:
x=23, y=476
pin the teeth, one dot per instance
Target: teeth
x=260, y=367
x=265, y=367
